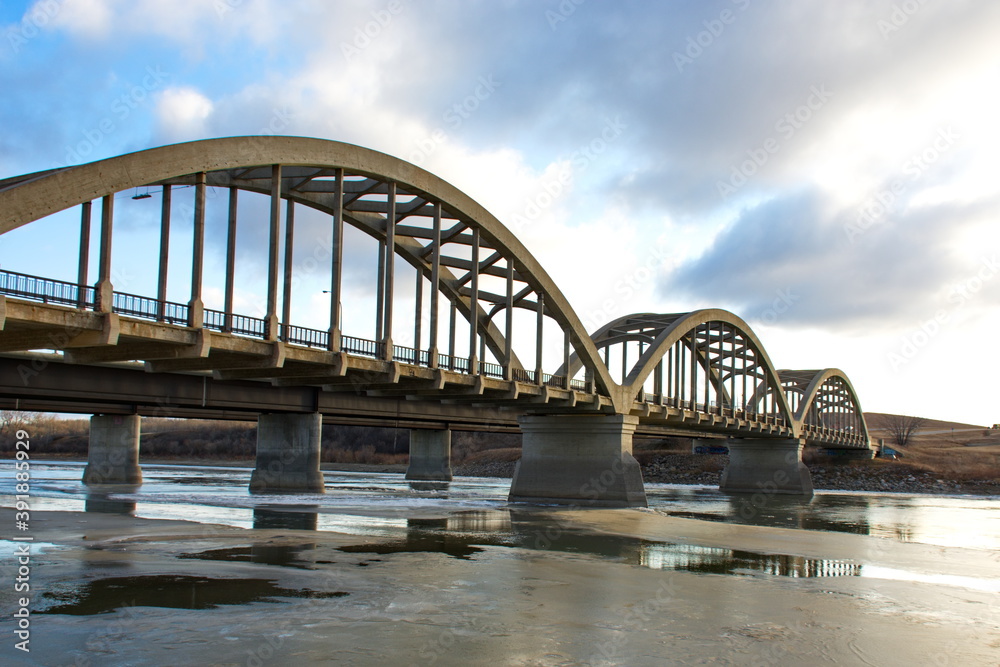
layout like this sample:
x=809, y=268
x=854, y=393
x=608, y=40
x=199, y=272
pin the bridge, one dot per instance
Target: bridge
x=481, y=320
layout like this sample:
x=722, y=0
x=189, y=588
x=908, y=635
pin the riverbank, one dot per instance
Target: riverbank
x=875, y=475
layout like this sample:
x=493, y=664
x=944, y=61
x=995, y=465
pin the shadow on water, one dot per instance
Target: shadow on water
x=825, y=512
x=296, y=517
x=466, y=534
x=285, y=555
x=169, y=590
x=100, y=500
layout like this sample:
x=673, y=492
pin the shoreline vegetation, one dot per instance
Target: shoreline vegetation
x=940, y=457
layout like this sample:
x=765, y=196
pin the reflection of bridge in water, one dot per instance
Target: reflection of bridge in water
x=465, y=534
x=483, y=322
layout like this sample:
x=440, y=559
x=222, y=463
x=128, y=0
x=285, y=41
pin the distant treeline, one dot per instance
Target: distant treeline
x=231, y=440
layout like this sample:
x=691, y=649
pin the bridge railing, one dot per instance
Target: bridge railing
x=453, y=363
x=409, y=355
x=46, y=290
x=62, y=292
x=491, y=370
x=522, y=375
x=150, y=309
x=303, y=336
x=361, y=346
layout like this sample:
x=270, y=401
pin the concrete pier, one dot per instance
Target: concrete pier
x=581, y=460
x=430, y=456
x=763, y=465
x=288, y=454
x=113, y=450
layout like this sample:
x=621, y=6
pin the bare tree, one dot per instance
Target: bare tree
x=902, y=427
x=12, y=420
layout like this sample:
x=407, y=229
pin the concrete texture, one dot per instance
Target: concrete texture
x=761, y=465
x=113, y=451
x=578, y=460
x=288, y=448
x=430, y=456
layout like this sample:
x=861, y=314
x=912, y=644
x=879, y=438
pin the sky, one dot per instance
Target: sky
x=824, y=170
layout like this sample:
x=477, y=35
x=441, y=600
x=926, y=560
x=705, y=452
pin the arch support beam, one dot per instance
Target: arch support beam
x=769, y=466
x=579, y=460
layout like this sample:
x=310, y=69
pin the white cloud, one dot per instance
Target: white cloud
x=183, y=113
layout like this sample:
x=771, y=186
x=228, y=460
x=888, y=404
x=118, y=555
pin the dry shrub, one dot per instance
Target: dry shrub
x=494, y=455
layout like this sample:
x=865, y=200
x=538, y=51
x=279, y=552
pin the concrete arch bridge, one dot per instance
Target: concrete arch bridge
x=459, y=327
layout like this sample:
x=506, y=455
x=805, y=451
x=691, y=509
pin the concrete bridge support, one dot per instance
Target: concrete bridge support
x=113, y=450
x=288, y=454
x=763, y=465
x=430, y=456
x=583, y=460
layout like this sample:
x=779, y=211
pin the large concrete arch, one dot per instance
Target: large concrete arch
x=685, y=324
x=27, y=198
x=811, y=393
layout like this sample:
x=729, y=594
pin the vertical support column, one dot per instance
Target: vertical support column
x=286, y=294
x=708, y=369
x=578, y=460
x=743, y=398
x=430, y=456
x=230, y=259
x=196, y=307
x=83, y=267
x=390, y=270
x=113, y=450
x=540, y=314
x=271, y=317
x=288, y=449
x=161, y=282
x=624, y=361
x=694, y=370
x=380, y=294
x=105, y=291
x=452, y=320
x=474, y=305
x=435, y=284
x=669, y=356
x=658, y=382
x=764, y=465
x=418, y=299
x=566, y=372
x=509, y=329
x=337, y=267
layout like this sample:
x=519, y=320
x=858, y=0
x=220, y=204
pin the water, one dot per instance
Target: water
x=463, y=517
x=378, y=568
